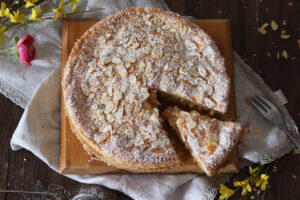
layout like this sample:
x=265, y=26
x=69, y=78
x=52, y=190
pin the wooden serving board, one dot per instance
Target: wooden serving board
x=75, y=160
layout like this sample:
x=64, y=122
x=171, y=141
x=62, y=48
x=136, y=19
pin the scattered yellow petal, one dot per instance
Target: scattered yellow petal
x=283, y=31
x=256, y=132
x=278, y=55
x=284, y=54
x=290, y=4
x=298, y=41
x=296, y=151
x=285, y=36
x=219, y=12
x=268, y=54
x=294, y=176
x=274, y=25
x=262, y=29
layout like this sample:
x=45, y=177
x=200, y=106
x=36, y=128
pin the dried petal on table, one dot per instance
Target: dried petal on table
x=285, y=36
x=245, y=130
x=247, y=101
x=274, y=25
x=284, y=54
x=262, y=29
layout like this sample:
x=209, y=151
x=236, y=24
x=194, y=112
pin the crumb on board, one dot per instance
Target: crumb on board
x=256, y=132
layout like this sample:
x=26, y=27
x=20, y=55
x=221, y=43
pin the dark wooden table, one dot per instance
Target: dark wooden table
x=21, y=170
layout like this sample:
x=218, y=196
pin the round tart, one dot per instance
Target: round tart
x=114, y=69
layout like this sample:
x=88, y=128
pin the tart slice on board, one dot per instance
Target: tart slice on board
x=209, y=140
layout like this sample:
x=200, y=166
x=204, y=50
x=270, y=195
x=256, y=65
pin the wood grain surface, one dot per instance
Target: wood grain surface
x=21, y=170
x=75, y=160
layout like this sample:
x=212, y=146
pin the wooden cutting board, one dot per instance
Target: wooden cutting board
x=75, y=160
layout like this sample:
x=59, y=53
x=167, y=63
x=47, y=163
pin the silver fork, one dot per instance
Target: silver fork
x=271, y=112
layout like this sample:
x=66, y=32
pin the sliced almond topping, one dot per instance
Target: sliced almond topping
x=101, y=40
x=191, y=124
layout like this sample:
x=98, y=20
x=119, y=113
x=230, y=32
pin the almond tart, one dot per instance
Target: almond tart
x=112, y=70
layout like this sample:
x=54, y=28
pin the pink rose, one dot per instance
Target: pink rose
x=26, y=49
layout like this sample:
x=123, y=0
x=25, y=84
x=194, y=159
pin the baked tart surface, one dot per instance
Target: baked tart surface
x=112, y=71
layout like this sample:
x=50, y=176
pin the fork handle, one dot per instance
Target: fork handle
x=291, y=137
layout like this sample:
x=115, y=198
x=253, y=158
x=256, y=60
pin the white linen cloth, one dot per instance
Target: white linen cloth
x=39, y=128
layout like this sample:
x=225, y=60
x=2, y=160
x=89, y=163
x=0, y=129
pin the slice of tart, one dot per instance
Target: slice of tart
x=209, y=140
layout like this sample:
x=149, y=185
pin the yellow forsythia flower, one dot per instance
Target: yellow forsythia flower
x=34, y=15
x=74, y=4
x=30, y=3
x=16, y=17
x=244, y=184
x=2, y=30
x=60, y=10
x=252, y=171
x=225, y=192
x=4, y=12
x=262, y=182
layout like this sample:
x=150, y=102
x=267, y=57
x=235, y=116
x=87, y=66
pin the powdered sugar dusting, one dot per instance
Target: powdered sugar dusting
x=115, y=64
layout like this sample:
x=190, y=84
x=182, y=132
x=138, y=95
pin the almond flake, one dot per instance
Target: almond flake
x=274, y=25
x=262, y=29
x=284, y=54
x=101, y=40
x=285, y=36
